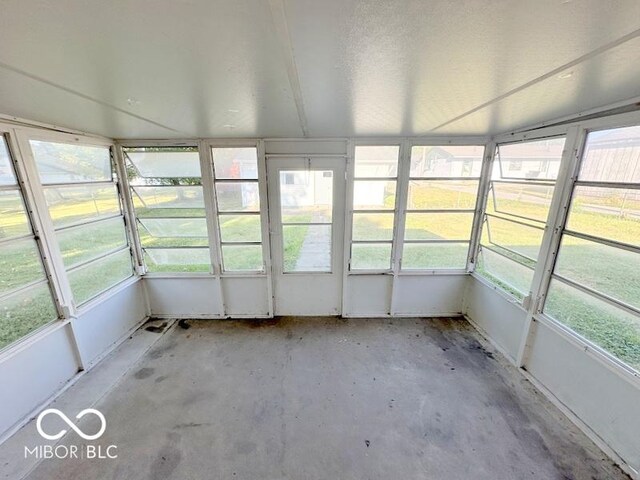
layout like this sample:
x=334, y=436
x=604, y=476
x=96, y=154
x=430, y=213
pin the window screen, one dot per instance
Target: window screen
x=374, y=203
x=238, y=200
x=595, y=287
x=168, y=198
x=442, y=193
x=25, y=297
x=81, y=193
x=520, y=193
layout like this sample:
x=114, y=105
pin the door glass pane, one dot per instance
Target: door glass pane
x=306, y=248
x=306, y=196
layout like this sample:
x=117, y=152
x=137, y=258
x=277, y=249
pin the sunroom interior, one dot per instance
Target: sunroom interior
x=338, y=239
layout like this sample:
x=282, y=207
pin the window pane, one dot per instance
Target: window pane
x=82, y=243
x=234, y=163
x=611, y=213
x=513, y=236
x=13, y=217
x=68, y=163
x=612, y=271
x=612, y=156
x=539, y=159
x=529, y=201
x=7, y=176
x=426, y=194
x=175, y=227
x=148, y=198
x=438, y=226
x=24, y=312
x=306, y=196
x=609, y=327
x=372, y=226
x=240, y=228
x=73, y=204
x=506, y=273
x=177, y=259
x=91, y=279
x=165, y=163
x=374, y=195
x=446, y=161
x=376, y=161
x=367, y=256
x=242, y=258
x=20, y=264
x=425, y=256
x=238, y=197
x=307, y=248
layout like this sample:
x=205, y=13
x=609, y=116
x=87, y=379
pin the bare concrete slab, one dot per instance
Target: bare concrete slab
x=320, y=398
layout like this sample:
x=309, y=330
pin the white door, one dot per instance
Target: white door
x=306, y=213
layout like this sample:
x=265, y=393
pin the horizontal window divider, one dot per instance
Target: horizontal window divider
x=602, y=296
x=622, y=185
x=23, y=288
x=89, y=222
x=134, y=187
x=84, y=263
x=466, y=240
x=16, y=239
x=544, y=222
x=408, y=272
x=521, y=181
x=518, y=179
x=243, y=274
x=374, y=242
x=305, y=155
x=230, y=212
x=78, y=184
x=440, y=210
x=378, y=210
x=370, y=271
x=500, y=217
x=181, y=217
x=256, y=243
x=175, y=247
x=513, y=251
x=306, y=223
x=153, y=177
x=12, y=186
x=236, y=180
x=603, y=241
x=375, y=179
x=445, y=179
x=497, y=252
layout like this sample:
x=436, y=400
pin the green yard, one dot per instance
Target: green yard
x=612, y=271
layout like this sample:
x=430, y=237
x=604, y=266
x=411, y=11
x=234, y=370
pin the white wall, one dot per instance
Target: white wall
x=601, y=399
x=39, y=367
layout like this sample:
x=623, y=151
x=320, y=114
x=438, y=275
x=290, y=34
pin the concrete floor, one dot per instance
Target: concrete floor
x=321, y=398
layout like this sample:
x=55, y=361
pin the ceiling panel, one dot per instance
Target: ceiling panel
x=598, y=82
x=215, y=68
x=380, y=67
x=207, y=68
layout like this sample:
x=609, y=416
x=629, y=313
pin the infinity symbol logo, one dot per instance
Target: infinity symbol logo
x=71, y=424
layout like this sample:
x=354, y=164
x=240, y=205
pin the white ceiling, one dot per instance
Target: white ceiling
x=286, y=68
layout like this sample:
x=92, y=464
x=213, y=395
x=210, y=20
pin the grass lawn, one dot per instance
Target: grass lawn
x=614, y=272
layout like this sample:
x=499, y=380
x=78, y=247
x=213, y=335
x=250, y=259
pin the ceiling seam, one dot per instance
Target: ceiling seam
x=84, y=96
x=282, y=32
x=552, y=73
